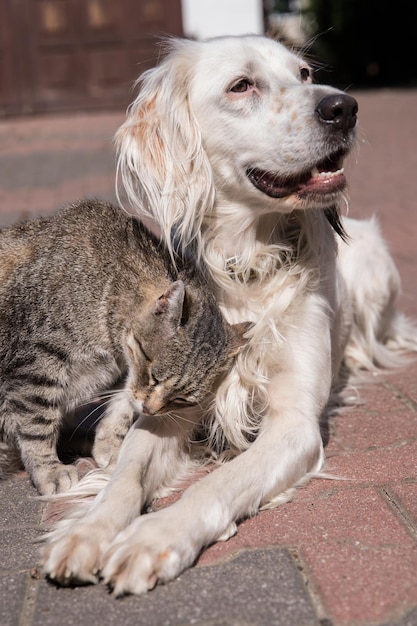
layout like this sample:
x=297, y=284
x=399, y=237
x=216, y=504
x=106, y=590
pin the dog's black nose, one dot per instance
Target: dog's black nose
x=338, y=109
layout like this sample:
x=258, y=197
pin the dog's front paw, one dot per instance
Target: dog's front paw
x=153, y=549
x=75, y=558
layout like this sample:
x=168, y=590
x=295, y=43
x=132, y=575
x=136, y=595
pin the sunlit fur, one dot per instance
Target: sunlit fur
x=318, y=303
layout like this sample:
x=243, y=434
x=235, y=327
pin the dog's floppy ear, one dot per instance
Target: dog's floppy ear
x=161, y=162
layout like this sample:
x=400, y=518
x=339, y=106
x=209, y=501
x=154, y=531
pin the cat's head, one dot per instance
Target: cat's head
x=180, y=350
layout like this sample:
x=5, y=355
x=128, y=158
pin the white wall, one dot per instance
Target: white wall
x=211, y=18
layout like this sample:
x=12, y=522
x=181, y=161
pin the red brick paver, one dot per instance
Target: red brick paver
x=354, y=540
x=48, y=161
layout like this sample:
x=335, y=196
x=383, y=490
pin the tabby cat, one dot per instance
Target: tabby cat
x=88, y=296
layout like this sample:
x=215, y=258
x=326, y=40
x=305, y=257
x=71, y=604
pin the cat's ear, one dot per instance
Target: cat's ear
x=238, y=338
x=169, y=306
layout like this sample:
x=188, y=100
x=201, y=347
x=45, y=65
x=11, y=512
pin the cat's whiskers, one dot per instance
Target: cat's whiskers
x=98, y=396
x=178, y=417
x=109, y=395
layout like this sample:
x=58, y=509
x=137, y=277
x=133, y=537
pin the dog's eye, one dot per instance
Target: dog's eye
x=305, y=74
x=241, y=86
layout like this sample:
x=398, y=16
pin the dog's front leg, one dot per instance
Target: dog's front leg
x=150, y=457
x=157, y=547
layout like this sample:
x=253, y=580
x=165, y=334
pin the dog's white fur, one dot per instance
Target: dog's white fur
x=206, y=114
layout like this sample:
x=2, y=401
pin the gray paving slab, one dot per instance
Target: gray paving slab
x=256, y=588
x=20, y=516
x=410, y=619
x=20, y=505
x=12, y=596
x=18, y=549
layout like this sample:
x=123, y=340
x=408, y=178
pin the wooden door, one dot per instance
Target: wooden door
x=78, y=54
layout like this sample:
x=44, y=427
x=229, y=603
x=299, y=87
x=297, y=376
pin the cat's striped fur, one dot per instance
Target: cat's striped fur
x=88, y=296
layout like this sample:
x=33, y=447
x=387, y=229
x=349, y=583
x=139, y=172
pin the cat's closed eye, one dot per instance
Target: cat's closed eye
x=180, y=400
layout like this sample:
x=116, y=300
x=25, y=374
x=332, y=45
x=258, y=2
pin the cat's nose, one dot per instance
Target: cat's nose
x=152, y=407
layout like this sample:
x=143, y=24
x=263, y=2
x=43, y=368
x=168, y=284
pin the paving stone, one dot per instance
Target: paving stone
x=261, y=588
x=361, y=584
x=25, y=204
x=12, y=593
x=377, y=466
x=381, y=422
x=410, y=619
x=23, y=507
x=357, y=516
x=18, y=549
x=52, y=168
x=404, y=496
x=46, y=163
x=405, y=383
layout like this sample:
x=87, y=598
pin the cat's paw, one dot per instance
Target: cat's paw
x=76, y=557
x=105, y=451
x=54, y=479
x=151, y=550
x=112, y=429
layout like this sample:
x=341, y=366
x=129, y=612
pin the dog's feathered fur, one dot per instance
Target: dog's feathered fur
x=217, y=149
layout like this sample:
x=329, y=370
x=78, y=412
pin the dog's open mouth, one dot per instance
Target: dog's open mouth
x=326, y=177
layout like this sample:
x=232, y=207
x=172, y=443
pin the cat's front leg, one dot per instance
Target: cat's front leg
x=37, y=440
x=112, y=430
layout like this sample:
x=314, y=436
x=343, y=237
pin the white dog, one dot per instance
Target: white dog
x=233, y=151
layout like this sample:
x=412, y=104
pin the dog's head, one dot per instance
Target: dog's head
x=233, y=121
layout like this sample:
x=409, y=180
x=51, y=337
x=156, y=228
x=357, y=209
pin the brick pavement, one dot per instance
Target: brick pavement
x=48, y=161
x=343, y=553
